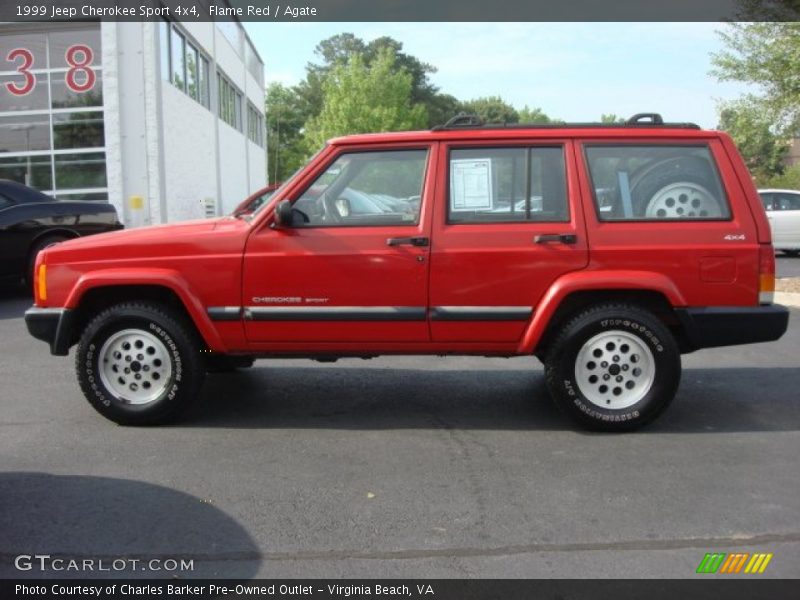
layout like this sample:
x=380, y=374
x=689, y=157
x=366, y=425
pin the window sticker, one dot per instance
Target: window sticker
x=471, y=184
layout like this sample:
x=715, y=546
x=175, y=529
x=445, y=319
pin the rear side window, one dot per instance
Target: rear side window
x=507, y=185
x=656, y=182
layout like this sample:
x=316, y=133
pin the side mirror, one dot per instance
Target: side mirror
x=283, y=214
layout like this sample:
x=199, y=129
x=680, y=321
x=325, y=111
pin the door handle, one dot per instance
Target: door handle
x=564, y=238
x=408, y=241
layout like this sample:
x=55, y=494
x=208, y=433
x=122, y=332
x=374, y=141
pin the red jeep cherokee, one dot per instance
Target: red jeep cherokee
x=606, y=251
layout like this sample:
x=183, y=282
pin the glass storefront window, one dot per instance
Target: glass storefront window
x=191, y=72
x=33, y=43
x=203, y=83
x=49, y=72
x=78, y=130
x=178, y=64
x=62, y=41
x=64, y=97
x=89, y=196
x=34, y=171
x=24, y=133
x=35, y=99
x=75, y=171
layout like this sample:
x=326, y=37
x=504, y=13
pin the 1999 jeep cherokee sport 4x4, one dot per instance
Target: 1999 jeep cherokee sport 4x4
x=604, y=251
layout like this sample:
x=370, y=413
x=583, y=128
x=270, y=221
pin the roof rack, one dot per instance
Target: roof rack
x=639, y=120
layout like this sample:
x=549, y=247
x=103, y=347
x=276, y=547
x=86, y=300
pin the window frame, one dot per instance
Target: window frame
x=428, y=149
x=527, y=146
x=655, y=144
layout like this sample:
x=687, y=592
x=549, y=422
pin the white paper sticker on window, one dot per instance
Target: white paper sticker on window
x=471, y=184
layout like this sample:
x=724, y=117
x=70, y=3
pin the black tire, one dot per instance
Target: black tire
x=631, y=326
x=182, y=366
x=37, y=247
x=646, y=185
x=228, y=364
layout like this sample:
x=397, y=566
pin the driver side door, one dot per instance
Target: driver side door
x=353, y=265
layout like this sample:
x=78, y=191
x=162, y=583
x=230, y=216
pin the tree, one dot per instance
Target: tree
x=360, y=98
x=750, y=128
x=285, y=120
x=492, y=109
x=339, y=49
x=766, y=55
x=533, y=115
x=611, y=118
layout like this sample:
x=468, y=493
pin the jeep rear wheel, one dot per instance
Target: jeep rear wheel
x=139, y=364
x=613, y=367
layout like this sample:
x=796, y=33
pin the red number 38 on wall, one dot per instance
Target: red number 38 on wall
x=80, y=77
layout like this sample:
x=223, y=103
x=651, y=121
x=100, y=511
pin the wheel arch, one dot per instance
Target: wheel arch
x=94, y=293
x=62, y=232
x=576, y=291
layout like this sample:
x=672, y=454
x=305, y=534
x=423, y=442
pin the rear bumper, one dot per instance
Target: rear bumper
x=715, y=326
x=51, y=325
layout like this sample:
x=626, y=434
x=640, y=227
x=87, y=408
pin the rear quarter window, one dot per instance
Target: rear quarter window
x=656, y=183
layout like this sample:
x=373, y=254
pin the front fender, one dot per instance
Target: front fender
x=587, y=281
x=166, y=278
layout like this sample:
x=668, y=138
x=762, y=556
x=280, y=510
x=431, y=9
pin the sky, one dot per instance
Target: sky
x=572, y=71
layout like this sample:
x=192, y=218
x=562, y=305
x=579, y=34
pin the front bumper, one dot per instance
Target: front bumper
x=51, y=325
x=715, y=326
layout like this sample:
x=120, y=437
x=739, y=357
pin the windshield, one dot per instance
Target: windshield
x=277, y=193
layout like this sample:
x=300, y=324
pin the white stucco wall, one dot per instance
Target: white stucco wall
x=164, y=146
x=189, y=155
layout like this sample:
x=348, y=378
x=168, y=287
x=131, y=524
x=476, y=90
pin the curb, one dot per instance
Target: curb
x=788, y=298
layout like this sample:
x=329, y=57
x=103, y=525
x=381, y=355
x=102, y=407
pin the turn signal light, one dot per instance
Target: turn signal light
x=41, y=282
x=766, y=274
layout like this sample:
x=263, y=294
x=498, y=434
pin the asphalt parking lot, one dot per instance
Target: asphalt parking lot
x=787, y=266
x=399, y=467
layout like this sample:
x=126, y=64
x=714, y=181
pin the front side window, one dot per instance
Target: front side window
x=655, y=182
x=366, y=189
x=785, y=201
x=506, y=185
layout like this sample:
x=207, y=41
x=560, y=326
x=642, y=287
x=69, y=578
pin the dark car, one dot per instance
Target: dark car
x=31, y=220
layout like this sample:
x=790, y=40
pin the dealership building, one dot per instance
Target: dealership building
x=163, y=120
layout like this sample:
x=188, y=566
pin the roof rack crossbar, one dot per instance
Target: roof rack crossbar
x=639, y=120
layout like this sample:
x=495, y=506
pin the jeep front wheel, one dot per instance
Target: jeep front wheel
x=614, y=367
x=139, y=364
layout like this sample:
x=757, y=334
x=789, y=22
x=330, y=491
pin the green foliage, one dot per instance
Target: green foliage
x=611, y=118
x=788, y=180
x=339, y=49
x=285, y=120
x=534, y=115
x=362, y=98
x=767, y=55
x=492, y=109
x=360, y=86
x=751, y=129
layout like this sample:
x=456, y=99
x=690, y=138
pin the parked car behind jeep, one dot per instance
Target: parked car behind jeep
x=31, y=221
x=783, y=212
x=605, y=250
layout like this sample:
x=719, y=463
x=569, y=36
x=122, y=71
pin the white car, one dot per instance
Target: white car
x=783, y=212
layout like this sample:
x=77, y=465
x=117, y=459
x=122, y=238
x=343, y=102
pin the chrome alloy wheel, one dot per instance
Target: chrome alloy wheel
x=135, y=366
x=615, y=370
x=681, y=200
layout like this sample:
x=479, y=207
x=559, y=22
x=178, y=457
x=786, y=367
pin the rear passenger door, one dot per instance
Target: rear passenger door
x=505, y=228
